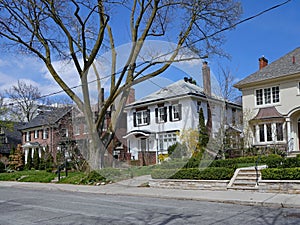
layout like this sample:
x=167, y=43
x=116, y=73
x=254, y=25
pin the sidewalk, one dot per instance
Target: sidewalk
x=131, y=188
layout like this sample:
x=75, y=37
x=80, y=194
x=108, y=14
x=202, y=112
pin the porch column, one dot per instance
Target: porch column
x=289, y=141
x=26, y=154
x=256, y=140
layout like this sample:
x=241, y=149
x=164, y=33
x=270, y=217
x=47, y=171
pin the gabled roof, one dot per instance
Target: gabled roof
x=288, y=64
x=47, y=118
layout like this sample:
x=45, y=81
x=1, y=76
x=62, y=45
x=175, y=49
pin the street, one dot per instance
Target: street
x=24, y=206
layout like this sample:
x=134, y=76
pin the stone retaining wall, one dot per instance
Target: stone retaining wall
x=280, y=186
x=274, y=186
x=189, y=184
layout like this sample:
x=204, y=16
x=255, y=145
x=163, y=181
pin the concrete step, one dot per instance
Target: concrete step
x=248, y=175
x=250, y=179
x=293, y=154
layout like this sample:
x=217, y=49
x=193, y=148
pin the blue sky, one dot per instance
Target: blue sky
x=273, y=35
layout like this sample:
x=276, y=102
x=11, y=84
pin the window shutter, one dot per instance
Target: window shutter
x=166, y=115
x=170, y=113
x=156, y=115
x=148, y=116
x=180, y=111
x=134, y=119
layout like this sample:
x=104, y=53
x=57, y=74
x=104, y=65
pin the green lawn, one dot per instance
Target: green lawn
x=28, y=176
x=111, y=174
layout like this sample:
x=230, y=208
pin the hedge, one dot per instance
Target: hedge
x=219, y=173
x=2, y=167
x=281, y=174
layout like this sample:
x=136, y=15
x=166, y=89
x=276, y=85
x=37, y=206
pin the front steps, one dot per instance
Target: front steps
x=293, y=154
x=245, y=179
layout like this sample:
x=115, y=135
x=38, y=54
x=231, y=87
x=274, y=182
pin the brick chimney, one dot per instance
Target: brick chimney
x=262, y=62
x=131, y=96
x=206, y=78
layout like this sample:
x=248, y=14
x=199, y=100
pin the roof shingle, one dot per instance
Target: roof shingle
x=286, y=65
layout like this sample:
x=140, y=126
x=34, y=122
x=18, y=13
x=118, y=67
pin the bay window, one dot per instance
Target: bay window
x=269, y=132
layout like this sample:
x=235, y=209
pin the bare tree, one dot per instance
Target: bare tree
x=78, y=30
x=226, y=80
x=24, y=99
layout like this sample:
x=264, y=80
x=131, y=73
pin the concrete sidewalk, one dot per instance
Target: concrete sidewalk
x=130, y=188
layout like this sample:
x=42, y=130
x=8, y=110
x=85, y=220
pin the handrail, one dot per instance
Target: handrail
x=256, y=165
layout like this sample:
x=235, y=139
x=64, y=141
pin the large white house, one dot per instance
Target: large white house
x=154, y=122
x=271, y=103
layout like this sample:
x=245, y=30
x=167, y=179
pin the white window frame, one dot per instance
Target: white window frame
x=165, y=140
x=141, y=117
x=161, y=115
x=28, y=136
x=45, y=133
x=269, y=138
x=36, y=134
x=175, y=111
x=267, y=96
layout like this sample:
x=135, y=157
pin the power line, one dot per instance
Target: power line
x=194, y=42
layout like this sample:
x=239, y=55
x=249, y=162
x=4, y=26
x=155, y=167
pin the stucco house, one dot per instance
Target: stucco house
x=271, y=103
x=154, y=122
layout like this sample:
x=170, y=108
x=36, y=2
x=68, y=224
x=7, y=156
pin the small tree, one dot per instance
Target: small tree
x=36, y=159
x=189, y=138
x=42, y=165
x=16, y=158
x=177, y=150
x=203, y=132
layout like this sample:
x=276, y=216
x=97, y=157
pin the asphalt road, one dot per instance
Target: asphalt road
x=24, y=206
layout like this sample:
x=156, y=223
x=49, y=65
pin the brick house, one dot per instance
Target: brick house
x=46, y=131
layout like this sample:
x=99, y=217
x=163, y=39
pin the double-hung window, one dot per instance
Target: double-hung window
x=36, y=134
x=141, y=118
x=45, y=133
x=161, y=114
x=28, y=136
x=175, y=112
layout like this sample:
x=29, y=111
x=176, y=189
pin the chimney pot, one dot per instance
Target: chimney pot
x=263, y=62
